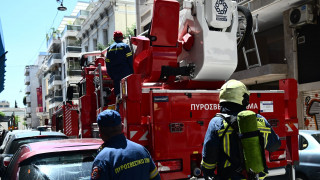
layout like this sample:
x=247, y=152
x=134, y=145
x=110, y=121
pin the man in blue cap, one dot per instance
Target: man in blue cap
x=118, y=157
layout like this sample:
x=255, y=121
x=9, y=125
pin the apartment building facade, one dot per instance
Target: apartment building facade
x=31, y=95
x=88, y=25
x=61, y=66
x=105, y=17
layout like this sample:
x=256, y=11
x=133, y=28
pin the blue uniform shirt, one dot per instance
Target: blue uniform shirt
x=212, y=156
x=119, y=63
x=120, y=158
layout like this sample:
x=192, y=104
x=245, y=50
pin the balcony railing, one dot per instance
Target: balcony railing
x=54, y=94
x=58, y=93
x=73, y=49
x=54, y=78
x=28, y=110
x=26, y=71
x=53, y=56
x=27, y=80
x=82, y=13
x=28, y=89
x=74, y=72
x=71, y=28
x=54, y=36
x=56, y=100
x=28, y=99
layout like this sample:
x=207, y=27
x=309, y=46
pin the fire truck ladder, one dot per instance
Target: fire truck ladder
x=254, y=49
x=98, y=86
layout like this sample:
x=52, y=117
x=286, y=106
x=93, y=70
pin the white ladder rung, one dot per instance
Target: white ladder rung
x=250, y=50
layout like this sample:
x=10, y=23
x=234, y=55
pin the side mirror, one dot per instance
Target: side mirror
x=6, y=161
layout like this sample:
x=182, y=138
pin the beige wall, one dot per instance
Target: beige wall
x=122, y=12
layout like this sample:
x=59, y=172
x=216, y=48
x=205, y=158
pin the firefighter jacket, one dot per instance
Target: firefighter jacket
x=120, y=158
x=119, y=63
x=223, y=153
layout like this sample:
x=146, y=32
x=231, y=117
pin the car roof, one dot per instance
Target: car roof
x=37, y=133
x=310, y=131
x=17, y=131
x=60, y=146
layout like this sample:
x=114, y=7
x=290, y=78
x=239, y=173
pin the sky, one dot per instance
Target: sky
x=24, y=25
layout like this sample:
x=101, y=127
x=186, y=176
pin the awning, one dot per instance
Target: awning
x=2, y=59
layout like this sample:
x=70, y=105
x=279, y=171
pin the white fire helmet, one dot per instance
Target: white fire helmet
x=234, y=91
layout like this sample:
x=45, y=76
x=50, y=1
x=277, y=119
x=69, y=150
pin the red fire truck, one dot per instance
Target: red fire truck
x=65, y=119
x=179, y=65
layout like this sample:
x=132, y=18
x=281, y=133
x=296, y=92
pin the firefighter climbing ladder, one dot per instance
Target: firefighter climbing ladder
x=254, y=49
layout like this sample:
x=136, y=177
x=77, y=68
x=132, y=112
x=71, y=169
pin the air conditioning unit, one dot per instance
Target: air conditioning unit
x=302, y=15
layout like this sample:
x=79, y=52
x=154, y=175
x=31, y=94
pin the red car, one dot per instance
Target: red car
x=58, y=159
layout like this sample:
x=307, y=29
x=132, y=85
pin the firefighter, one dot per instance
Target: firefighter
x=118, y=157
x=118, y=60
x=221, y=149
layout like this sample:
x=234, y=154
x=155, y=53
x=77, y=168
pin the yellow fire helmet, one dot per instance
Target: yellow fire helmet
x=234, y=91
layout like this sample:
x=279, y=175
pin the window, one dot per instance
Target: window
x=95, y=44
x=303, y=143
x=61, y=165
x=105, y=37
x=316, y=137
x=73, y=64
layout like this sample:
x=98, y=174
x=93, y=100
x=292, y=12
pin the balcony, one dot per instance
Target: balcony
x=27, y=71
x=54, y=40
x=55, y=80
x=27, y=90
x=74, y=73
x=56, y=100
x=70, y=30
x=28, y=120
x=52, y=94
x=73, y=49
x=82, y=14
x=28, y=99
x=41, y=113
x=55, y=58
x=27, y=80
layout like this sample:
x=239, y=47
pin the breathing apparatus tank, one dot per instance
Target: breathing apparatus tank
x=249, y=135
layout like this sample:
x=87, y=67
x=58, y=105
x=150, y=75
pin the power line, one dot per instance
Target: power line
x=34, y=56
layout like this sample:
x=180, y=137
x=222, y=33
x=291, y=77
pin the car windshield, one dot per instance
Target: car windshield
x=66, y=165
x=316, y=137
x=18, y=142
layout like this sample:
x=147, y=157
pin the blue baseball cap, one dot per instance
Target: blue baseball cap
x=109, y=118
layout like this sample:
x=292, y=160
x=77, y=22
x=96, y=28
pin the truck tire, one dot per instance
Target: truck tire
x=244, y=26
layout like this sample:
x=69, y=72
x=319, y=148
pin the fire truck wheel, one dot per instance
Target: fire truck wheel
x=300, y=176
x=244, y=27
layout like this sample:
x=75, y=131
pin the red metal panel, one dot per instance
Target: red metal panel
x=71, y=123
x=165, y=22
x=139, y=134
x=291, y=120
